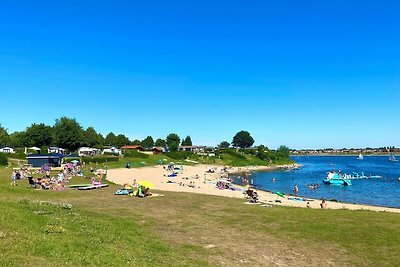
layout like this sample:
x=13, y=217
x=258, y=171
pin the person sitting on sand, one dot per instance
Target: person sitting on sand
x=308, y=205
x=147, y=192
x=323, y=204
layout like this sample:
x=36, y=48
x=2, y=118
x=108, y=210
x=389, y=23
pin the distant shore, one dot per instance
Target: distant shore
x=338, y=154
x=201, y=179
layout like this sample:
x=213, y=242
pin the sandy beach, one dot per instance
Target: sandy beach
x=201, y=181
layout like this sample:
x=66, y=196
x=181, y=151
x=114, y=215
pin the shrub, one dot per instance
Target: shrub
x=3, y=159
x=135, y=154
x=233, y=153
x=179, y=155
x=99, y=159
x=18, y=155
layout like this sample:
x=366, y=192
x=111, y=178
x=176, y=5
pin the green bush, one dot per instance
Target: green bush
x=233, y=153
x=110, y=154
x=99, y=159
x=135, y=154
x=18, y=155
x=179, y=155
x=3, y=159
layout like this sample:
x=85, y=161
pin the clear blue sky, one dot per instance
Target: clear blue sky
x=307, y=74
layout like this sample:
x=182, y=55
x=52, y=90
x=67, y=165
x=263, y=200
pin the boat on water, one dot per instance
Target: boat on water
x=392, y=157
x=360, y=157
x=336, y=178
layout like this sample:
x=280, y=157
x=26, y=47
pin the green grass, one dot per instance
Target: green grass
x=97, y=228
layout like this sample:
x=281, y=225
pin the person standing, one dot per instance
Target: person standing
x=295, y=190
x=14, y=178
x=323, y=204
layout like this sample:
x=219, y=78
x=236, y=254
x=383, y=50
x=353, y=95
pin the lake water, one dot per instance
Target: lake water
x=378, y=192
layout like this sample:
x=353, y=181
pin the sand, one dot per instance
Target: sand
x=204, y=183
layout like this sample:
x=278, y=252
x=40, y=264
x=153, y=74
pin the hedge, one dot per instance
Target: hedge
x=99, y=159
x=3, y=159
x=180, y=155
x=135, y=154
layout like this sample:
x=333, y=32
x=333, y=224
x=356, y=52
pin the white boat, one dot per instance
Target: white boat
x=392, y=157
x=360, y=157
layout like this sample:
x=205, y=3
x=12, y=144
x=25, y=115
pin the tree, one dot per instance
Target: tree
x=224, y=145
x=111, y=139
x=38, y=135
x=262, y=152
x=92, y=138
x=187, y=141
x=242, y=139
x=160, y=143
x=68, y=133
x=136, y=142
x=148, y=142
x=121, y=140
x=17, y=139
x=4, y=136
x=172, y=141
x=284, y=151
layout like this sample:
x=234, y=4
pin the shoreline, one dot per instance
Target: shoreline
x=198, y=179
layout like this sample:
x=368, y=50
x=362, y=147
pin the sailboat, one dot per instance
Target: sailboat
x=392, y=158
x=360, y=157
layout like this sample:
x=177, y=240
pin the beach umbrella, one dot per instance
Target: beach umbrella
x=74, y=161
x=146, y=184
x=46, y=167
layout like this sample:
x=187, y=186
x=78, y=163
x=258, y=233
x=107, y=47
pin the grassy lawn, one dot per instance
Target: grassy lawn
x=75, y=228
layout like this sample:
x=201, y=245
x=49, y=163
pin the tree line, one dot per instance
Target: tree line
x=67, y=133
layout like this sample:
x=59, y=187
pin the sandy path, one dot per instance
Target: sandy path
x=205, y=184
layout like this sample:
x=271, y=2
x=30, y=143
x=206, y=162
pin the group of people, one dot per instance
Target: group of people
x=139, y=190
x=313, y=186
x=48, y=182
x=323, y=204
x=252, y=195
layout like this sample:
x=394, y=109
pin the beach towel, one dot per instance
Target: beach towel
x=123, y=192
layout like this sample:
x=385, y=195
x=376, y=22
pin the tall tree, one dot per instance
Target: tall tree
x=121, y=140
x=187, y=141
x=242, y=139
x=136, y=142
x=39, y=135
x=284, y=151
x=111, y=139
x=224, y=145
x=100, y=139
x=172, y=141
x=4, y=136
x=17, y=139
x=160, y=143
x=68, y=133
x=148, y=142
x=92, y=138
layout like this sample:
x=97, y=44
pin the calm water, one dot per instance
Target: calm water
x=378, y=192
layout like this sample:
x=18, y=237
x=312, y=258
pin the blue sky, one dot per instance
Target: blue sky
x=307, y=74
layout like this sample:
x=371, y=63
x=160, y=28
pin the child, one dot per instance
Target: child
x=14, y=178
